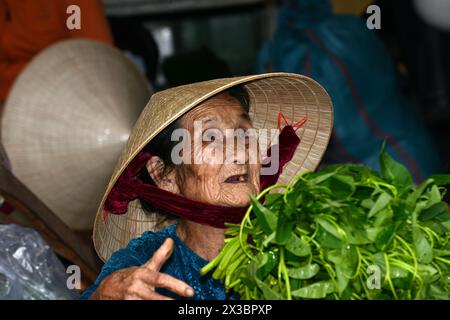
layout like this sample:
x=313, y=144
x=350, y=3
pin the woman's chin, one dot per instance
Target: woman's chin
x=237, y=204
x=238, y=196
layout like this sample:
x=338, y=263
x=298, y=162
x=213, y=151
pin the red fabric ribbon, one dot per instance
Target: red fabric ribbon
x=129, y=187
x=287, y=144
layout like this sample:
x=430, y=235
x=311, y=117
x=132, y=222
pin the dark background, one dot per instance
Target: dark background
x=193, y=44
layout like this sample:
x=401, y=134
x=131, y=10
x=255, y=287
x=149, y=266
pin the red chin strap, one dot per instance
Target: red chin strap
x=129, y=187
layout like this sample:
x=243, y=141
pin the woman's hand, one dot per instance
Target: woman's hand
x=139, y=283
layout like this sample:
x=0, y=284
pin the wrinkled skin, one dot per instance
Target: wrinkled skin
x=205, y=182
x=139, y=283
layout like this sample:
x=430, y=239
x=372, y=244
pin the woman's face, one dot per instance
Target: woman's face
x=225, y=179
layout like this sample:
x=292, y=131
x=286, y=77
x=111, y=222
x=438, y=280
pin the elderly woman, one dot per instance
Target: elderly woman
x=162, y=220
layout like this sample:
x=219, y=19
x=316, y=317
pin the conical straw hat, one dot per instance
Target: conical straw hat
x=68, y=116
x=294, y=95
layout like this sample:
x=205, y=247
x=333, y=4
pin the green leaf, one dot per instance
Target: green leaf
x=353, y=222
x=434, y=196
x=367, y=203
x=269, y=239
x=305, y=272
x=285, y=226
x=443, y=216
x=268, y=261
x=298, y=246
x=295, y=284
x=400, y=211
x=414, y=196
x=327, y=240
x=248, y=277
x=320, y=177
x=422, y=247
x=342, y=186
x=268, y=292
x=372, y=233
x=386, y=236
x=383, y=200
x=401, y=278
x=427, y=273
x=437, y=292
x=433, y=211
x=357, y=236
x=271, y=198
x=420, y=205
x=393, y=171
x=345, y=260
x=446, y=224
x=441, y=179
x=329, y=227
x=266, y=218
x=383, y=217
x=316, y=290
x=397, y=272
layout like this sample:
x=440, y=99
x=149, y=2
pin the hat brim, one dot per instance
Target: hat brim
x=295, y=95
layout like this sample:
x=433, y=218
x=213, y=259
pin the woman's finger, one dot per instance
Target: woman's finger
x=170, y=283
x=160, y=256
x=140, y=290
x=154, y=279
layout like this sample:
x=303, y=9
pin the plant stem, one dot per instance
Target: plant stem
x=388, y=276
x=285, y=274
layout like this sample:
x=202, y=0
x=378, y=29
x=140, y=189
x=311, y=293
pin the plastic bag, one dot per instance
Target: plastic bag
x=29, y=269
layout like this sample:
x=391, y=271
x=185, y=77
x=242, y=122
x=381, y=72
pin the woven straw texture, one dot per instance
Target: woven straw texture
x=295, y=95
x=66, y=120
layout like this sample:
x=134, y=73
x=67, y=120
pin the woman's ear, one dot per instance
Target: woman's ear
x=155, y=167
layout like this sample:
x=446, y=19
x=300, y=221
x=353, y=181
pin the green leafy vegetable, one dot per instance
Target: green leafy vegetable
x=266, y=218
x=331, y=232
x=305, y=272
x=315, y=291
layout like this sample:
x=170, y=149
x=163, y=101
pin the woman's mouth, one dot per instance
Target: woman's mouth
x=238, y=178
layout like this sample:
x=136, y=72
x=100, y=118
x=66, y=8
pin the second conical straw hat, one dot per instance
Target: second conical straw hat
x=67, y=118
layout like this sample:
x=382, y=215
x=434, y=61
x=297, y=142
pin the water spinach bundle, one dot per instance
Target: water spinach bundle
x=344, y=232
